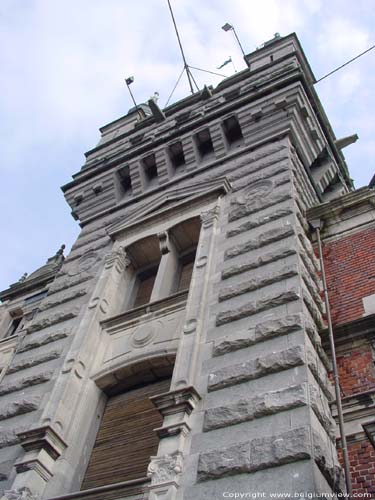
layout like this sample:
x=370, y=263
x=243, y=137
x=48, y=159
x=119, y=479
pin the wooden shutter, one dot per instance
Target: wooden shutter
x=126, y=437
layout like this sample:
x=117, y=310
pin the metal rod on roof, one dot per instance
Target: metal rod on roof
x=186, y=66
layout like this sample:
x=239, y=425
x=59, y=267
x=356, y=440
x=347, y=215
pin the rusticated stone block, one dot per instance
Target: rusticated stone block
x=255, y=307
x=66, y=297
x=258, y=282
x=30, y=362
x=264, y=239
x=54, y=319
x=256, y=222
x=266, y=258
x=19, y=407
x=259, y=406
x=257, y=454
x=63, y=283
x=24, y=382
x=34, y=342
x=5, y=468
x=248, y=207
x=262, y=331
x=256, y=368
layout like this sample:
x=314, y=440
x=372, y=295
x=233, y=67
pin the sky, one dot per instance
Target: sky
x=63, y=64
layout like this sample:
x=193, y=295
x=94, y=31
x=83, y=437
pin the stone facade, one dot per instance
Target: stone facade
x=232, y=171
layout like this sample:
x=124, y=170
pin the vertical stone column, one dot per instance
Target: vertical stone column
x=176, y=406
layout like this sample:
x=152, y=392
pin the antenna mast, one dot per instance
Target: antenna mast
x=186, y=66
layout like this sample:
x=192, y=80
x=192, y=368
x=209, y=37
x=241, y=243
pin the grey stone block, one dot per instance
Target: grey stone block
x=266, y=238
x=259, y=221
x=256, y=368
x=23, y=364
x=262, y=260
x=40, y=340
x=19, y=407
x=54, y=319
x=259, y=406
x=261, y=332
x=258, y=282
x=256, y=307
x=22, y=383
x=255, y=455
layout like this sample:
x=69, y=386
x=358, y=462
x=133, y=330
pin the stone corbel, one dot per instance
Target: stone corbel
x=43, y=446
x=175, y=406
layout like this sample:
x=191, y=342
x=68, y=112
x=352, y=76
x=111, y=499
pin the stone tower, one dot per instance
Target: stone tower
x=175, y=352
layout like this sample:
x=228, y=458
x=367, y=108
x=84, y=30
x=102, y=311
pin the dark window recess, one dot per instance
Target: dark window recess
x=232, y=130
x=204, y=143
x=186, y=271
x=146, y=280
x=126, y=438
x=150, y=169
x=125, y=180
x=14, y=327
x=36, y=297
x=176, y=154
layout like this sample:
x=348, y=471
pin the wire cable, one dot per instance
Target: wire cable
x=206, y=71
x=174, y=88
x=345, y=64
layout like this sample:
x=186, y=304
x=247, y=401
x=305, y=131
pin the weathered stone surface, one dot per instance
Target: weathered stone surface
x=23, y=364
x=281, y=449
x=62, y=283
x=262, y=331
x=320, y=406
x=262, y=240
x=257, y=454
x=24, y=382
x=40, y=340
x=258, y=282
x=91, y=238
x=57, y=301
x=256, y=307
x=254, y=188
x=258, y=406
x=54, y=319
x=256, y=368
x=224, y=462
x=326, y=459
x=5, y=468
x=9, y=438
x=320, y=373
x=19, y=407
x=313, y=310
x=251, y=206
x=266, y=258
x=259, y=221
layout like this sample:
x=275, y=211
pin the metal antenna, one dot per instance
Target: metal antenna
x=186, y=66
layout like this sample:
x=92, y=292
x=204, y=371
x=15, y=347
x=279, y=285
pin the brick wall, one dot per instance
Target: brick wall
x=362, y=467
x=356, y=370
x=350, y=272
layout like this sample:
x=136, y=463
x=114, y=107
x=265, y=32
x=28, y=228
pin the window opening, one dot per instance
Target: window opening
x=176, y=154
x=14, y=327
x=232, y=130
x=150, y=170
x=204, y=143
x=146, y=281
x=186, y=270
x=125, y=180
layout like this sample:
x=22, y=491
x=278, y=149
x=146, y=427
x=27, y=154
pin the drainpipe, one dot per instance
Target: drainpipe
x=317, y=224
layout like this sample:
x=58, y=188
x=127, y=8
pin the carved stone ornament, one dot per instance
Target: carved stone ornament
x=208, y=217
x=165, y=469
x=164, y=242
x=119, y=258
x=19, y=494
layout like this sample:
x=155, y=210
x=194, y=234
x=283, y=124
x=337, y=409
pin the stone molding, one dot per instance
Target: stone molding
x=43, y=447
x=181, y=400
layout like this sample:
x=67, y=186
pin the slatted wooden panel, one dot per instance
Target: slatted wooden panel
x=144, y=291
x=126, y=437
x=185, y=278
